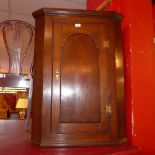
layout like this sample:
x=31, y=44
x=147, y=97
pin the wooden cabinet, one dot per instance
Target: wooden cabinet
x=78, y=96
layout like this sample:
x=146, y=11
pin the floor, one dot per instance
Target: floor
x=15, y=140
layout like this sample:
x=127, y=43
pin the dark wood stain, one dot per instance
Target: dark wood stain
x=78, y=75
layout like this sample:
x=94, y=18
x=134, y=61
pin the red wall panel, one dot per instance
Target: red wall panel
x=153, y=14
x=93, y=4
x=139, y=60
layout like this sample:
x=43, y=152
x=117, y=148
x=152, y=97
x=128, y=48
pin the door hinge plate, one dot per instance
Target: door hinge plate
x=108, y=109
x=106, y=44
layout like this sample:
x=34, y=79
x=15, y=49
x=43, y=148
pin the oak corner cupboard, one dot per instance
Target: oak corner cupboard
x=78, y=95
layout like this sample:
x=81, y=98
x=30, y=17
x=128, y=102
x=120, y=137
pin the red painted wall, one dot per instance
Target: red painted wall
x=139, y=61
x=153, y=14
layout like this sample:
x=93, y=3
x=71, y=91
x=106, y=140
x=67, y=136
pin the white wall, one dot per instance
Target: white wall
x=22, y=9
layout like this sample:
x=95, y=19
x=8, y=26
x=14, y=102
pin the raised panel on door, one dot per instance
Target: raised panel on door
x=80, y=92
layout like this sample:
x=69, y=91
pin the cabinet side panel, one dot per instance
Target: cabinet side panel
x=38, y=80
x=47, y=79
x=120, y=99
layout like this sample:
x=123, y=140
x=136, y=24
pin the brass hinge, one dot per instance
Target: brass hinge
x=108, y=109
x=106, y=44
x=57, y=74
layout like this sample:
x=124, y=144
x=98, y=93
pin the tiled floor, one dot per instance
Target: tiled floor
x=14, y=140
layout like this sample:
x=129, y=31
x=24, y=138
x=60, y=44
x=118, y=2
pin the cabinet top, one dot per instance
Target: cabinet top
x=77, y=12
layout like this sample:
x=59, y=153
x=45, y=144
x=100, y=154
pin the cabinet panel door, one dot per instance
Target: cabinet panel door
x=79, y=80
